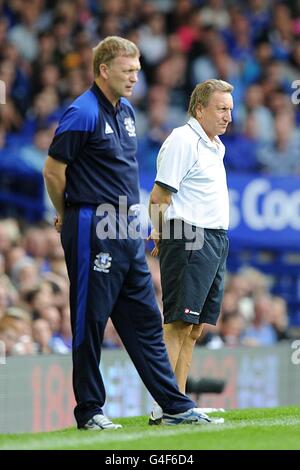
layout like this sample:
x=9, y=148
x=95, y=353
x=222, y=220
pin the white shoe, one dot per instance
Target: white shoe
x=156, y=414
x=100, y=422
x=192, y=416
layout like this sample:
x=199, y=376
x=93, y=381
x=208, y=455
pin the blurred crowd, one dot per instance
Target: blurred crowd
x=34, y=299
x=34, y=304
x=34, y=292
x=45, y=62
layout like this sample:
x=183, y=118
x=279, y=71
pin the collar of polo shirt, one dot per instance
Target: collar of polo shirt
x=196, y=126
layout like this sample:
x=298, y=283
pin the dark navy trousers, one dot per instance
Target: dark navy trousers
x=110, y=278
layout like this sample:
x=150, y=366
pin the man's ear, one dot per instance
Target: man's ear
x=104, y=71
x=199, y=112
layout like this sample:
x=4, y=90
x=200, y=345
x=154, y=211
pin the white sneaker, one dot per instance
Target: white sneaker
x=99, y=422
x=156, y=414
x=192, y=416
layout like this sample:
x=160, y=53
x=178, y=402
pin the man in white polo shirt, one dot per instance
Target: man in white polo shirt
x=189, y=209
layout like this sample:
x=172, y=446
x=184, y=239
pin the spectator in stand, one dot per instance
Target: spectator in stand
x=64, y=336
x=9, y=335
x=24, y=34
x=25, y=274
x=34, y=155
x=231, y=328
x=41, y=333
x=153, y=39
x=254, y=105
x=282, y=157
x=15, y=331
x=261, y=332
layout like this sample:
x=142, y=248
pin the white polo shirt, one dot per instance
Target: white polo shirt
x=191, y=166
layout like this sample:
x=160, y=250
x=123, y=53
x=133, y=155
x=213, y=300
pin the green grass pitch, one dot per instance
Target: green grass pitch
x=270, y=428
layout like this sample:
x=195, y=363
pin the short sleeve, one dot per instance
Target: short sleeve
x=174, y=161
x=72, y=133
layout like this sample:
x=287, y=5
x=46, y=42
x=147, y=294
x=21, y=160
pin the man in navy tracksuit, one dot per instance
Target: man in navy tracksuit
x=91, y=168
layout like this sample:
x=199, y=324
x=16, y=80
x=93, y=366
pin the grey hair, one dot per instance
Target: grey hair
x=203, y=91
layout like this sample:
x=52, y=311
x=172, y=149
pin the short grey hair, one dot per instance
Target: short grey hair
x=110, y=48
x=203, y=92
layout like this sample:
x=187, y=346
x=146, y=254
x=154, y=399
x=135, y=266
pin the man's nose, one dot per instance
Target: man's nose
x=134, y=77
x=228, y=116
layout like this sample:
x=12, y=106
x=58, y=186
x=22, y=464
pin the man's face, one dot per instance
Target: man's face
x=122, y=75
x=216, y=116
